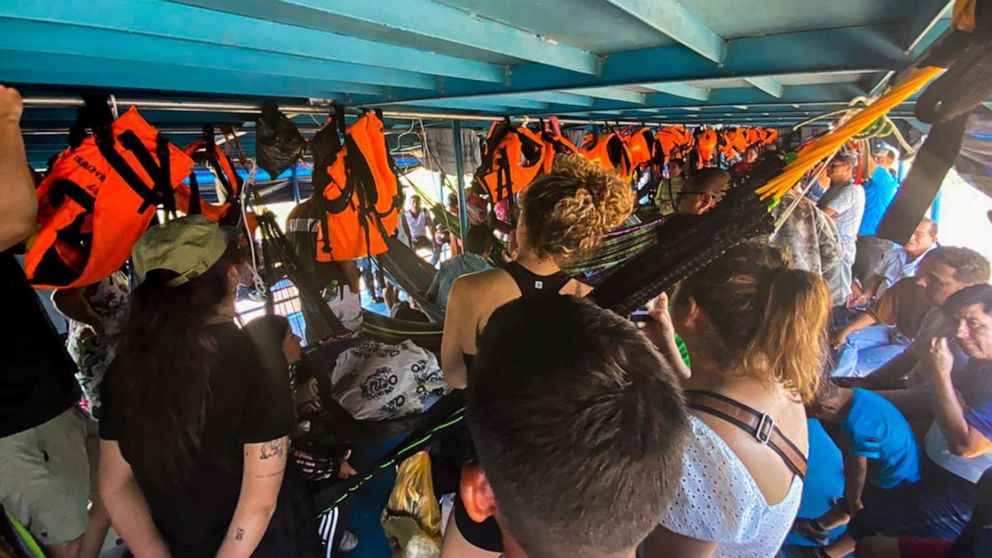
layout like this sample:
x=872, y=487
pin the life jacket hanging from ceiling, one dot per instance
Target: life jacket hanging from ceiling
x=640, y=146
x=609, y=151
x=206, y=151
x=551, y=135
x=769, y=136
x=753, y=137
x=358, y=191
x=706, y=140
x=513, y=156
x=674, y=142
x=100, y=196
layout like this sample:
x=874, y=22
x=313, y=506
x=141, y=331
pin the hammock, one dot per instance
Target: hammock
x=408, y=270
x=394, y=331
x=617, y=247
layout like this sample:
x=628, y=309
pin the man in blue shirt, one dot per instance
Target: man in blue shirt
x=880, y=189
x=478, y=245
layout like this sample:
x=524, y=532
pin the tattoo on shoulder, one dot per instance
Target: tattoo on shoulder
x=239, y=534
x=275, y=448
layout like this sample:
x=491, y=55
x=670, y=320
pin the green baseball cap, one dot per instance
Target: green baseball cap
x=188, y=246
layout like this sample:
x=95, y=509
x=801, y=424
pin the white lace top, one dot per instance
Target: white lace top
x=718, y=500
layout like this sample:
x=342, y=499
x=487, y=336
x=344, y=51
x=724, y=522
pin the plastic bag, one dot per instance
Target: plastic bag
x=278, y=144
x=412, y=518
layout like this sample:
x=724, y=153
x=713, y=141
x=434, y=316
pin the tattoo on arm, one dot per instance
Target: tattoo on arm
x=239, y=534
x=275, y=448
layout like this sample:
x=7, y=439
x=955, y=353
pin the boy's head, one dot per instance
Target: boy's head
x=479, y=240
x=831, y=403
x=579, y=426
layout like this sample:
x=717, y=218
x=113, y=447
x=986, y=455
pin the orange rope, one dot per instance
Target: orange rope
x=831, y=142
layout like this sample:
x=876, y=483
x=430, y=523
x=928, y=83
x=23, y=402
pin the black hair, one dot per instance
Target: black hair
x=969, y=266
x=479, y=239
x=711, y=180
x=975, y=294
x=579, y=426
x=166, y=354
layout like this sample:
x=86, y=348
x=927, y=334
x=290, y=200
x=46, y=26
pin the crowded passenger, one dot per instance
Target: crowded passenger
x=898, y=263
x=701, y=191
x=421, y=227
x=185, y=471
x=44, y=472
x=756, y=332
x=880, y=189
x=563, y=214
x=621, y=423
x=669, y=188
x=844, y=202
x=958, y=443
x=478, y=247
x=879, y=449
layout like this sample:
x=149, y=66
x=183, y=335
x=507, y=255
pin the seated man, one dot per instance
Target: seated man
x=898, y=263
x=701, y=191
x=879, y=449
x=959, y=441
x=478, y=245
x=947, y=269
x=579, y=427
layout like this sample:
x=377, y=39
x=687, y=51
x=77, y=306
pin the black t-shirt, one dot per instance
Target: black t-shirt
x=37, y=376
x=248, y=404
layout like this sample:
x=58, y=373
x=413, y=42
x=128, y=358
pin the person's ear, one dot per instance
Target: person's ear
x=476, y=493
x=693, y=313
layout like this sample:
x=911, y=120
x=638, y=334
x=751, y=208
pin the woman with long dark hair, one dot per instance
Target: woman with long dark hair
x=195, y=428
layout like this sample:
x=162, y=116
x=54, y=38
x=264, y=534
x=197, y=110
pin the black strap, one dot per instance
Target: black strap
x=194, y=196
x=65, y=188
x=531, y=283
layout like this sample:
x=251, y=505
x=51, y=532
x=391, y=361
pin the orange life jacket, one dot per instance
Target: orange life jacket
x=608, y=151
x=674, y=142
x=188, y=196
x=640, y=145
x=358, y=193
x=706, y=145
x=769, y=136
x=753, y=136
x=100, y=196
x=512, y=157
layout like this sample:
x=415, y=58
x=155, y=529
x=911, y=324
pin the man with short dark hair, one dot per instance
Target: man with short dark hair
x=701, y=191
x=900, y=262
x=478, y=246
x=958, y=446
x=844, y=202
x=579, y=427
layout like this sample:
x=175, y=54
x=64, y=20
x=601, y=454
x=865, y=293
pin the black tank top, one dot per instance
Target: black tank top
x=531, y=283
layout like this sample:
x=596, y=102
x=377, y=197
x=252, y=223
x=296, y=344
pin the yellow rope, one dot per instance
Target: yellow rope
x=834, y=140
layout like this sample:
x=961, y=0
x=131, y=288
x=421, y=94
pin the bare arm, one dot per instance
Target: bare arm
x=871, y=286
x=72, y=304
x=861, y=321
x=662, y=333
x=452, y=352
x=662, y=543
x=126, y=504
x=17, y=212
x=265, y=464
x=855, y=473
x=962, y=438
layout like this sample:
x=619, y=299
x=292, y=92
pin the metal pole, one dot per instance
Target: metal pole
x=296, y=185
x=456, y=130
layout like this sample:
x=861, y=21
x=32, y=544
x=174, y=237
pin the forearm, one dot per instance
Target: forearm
x=872, y=285
x=132, y=519
x=247, y=528
x=670, y=350
x=860, y=322
x=20, y=204
x=855, y=474
x=949, y=414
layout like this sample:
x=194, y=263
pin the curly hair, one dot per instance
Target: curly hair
x=568, y=211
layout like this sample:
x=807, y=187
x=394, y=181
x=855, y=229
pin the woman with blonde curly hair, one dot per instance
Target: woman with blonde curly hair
x=563, y=214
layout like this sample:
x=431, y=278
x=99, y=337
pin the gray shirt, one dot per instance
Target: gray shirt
x=848, y=200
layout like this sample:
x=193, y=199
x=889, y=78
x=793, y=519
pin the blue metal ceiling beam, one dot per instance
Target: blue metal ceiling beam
x=67, y=40
x=554, y=98
x=684, y=90
x=673, y=19
x=41, y=68
x=435, y=20
x=857, y=48
x=173, y=21
x=767, y=84
x=499, y=106
x=612, y=93
x=924, y=19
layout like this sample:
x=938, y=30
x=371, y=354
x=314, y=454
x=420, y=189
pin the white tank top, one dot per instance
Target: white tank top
x=418, y=223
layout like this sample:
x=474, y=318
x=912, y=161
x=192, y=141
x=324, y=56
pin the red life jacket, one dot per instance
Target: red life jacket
x=100, y=196
x=512, y=157
x=358, y=191
x=188, y=196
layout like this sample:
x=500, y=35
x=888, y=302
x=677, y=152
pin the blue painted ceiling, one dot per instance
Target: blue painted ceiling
x=761, y=62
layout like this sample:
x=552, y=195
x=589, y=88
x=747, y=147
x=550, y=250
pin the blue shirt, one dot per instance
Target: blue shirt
x=876, y=430
x=879, y=190
x=453, y=269
x=824, y=480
